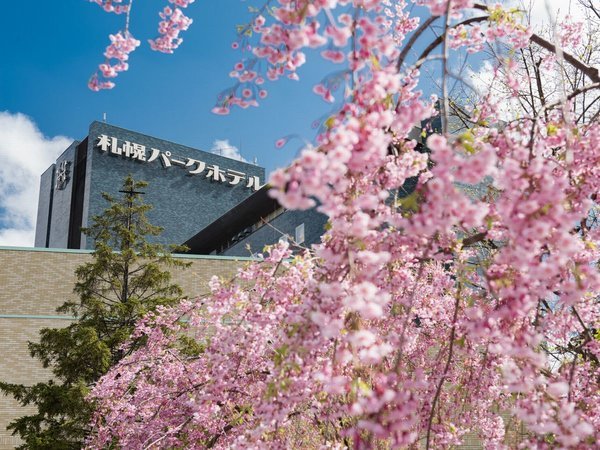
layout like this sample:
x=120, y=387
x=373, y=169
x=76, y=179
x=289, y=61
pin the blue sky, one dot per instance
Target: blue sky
x=55, y=46
x=49, y=50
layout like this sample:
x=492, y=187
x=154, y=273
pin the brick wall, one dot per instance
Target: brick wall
x=34, y=282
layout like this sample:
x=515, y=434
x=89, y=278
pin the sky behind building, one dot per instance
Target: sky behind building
x=50, y=49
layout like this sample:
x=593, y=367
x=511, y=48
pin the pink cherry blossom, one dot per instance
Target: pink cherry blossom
x=454, y=292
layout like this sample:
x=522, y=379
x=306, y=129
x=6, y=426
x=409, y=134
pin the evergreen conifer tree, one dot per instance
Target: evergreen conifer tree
x=125, y=279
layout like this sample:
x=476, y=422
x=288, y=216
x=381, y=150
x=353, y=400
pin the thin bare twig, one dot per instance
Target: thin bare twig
x=446, y=368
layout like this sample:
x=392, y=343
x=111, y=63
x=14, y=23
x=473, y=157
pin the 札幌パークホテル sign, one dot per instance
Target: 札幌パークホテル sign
x=193, y=167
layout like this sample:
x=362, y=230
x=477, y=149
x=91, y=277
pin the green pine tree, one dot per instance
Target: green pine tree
x=125, y=279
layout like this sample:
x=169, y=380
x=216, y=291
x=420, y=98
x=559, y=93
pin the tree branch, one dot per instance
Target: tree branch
x=591, y=72
x=437, y=41
x=446, y=368
x=408, y=46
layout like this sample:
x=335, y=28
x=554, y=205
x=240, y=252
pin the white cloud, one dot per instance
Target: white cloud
x=545, y=12
x=224, y=148
x=25, y=153
x=541, y=15
x=484, y=82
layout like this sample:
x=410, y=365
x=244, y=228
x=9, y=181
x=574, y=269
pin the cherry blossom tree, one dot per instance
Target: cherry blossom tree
x=419, y=320
x=545, y=78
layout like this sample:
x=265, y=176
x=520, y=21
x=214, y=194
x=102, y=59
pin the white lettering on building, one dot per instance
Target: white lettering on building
x=63, y=172
x=139, y=152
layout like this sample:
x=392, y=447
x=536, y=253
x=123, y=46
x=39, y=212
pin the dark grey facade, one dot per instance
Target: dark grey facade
x=297, y=227
x=208, y=202
x=257, y=221
x=188, y=188
x=62, y=196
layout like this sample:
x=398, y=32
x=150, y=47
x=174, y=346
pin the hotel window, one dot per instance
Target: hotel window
x=300, y=234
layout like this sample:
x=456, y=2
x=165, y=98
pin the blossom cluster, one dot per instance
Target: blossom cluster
x=501, y=24
x=296, y=28
x=123, y=42
x=121, y=45
x=174, y=22
x=113, y=6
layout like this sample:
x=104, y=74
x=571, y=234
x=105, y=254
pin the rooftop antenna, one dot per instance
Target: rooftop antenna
x=255, y=161
x=104, y=117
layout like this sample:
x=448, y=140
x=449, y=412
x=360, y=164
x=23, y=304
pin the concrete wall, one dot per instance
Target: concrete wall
x=34, y=283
